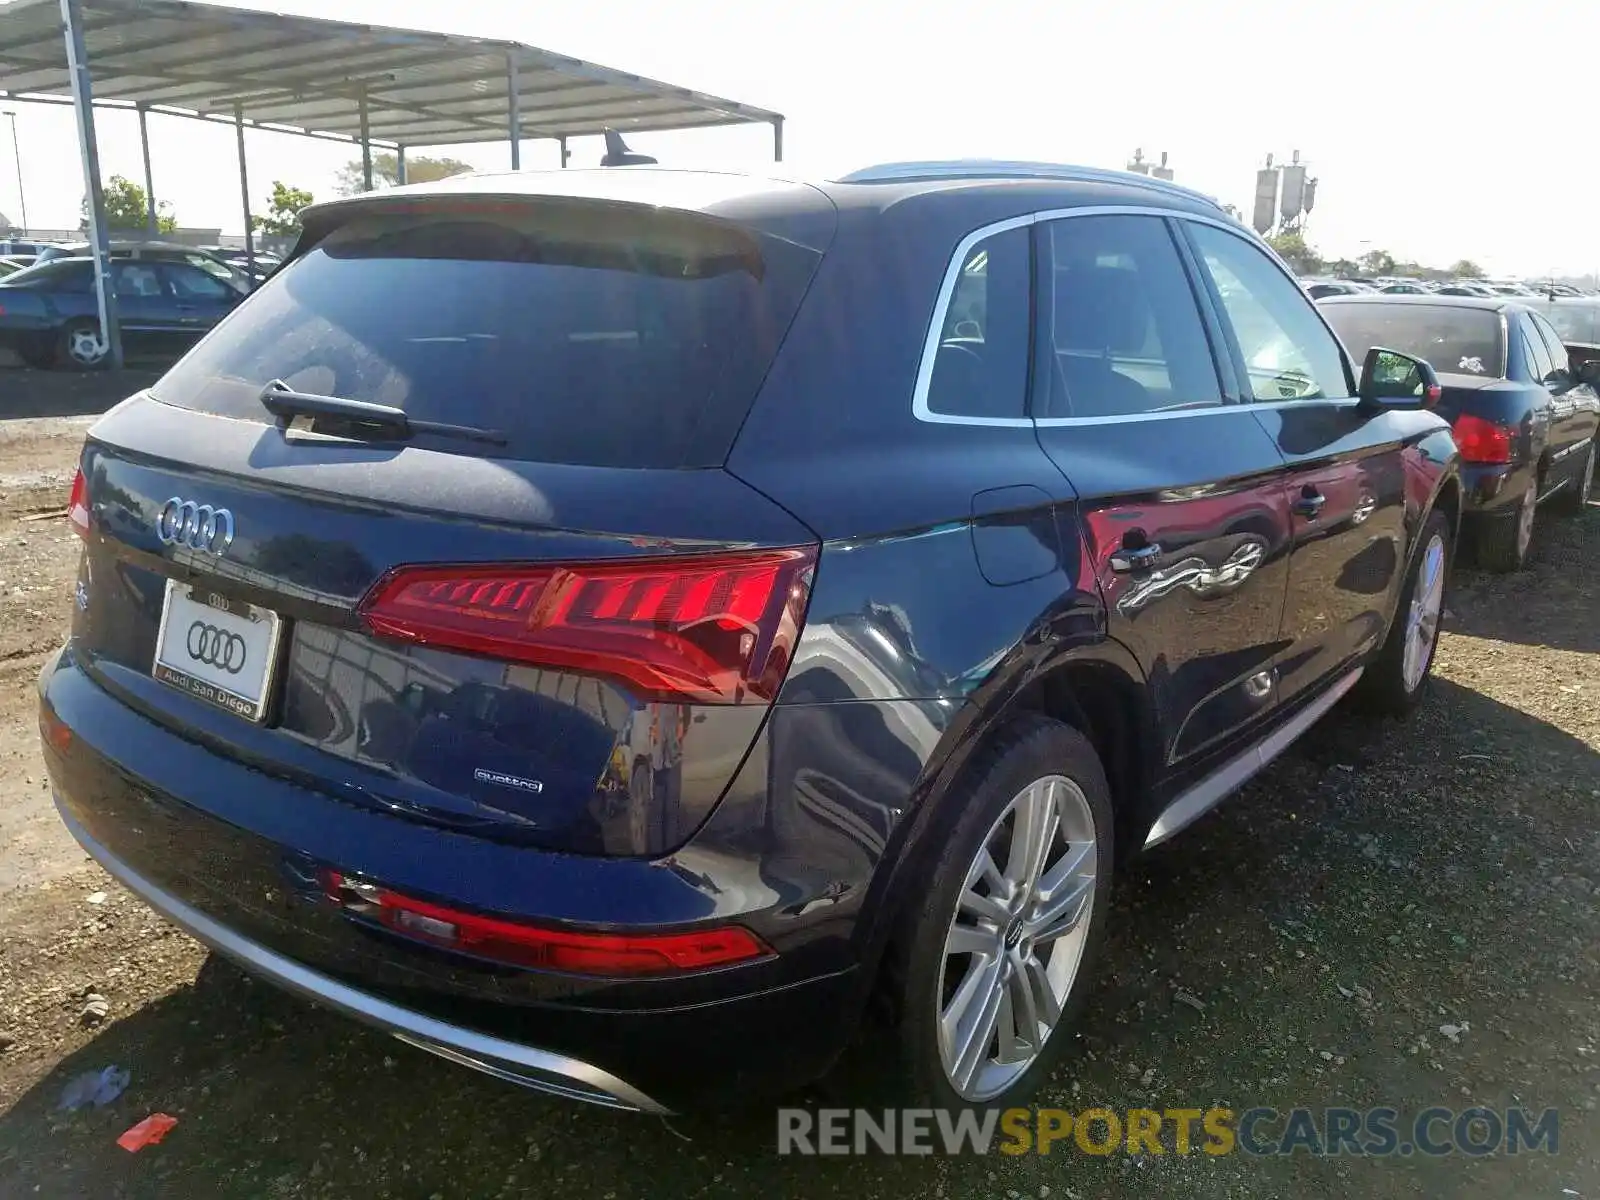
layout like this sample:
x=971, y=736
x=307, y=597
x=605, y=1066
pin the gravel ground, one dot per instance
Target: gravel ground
x=1380, y=881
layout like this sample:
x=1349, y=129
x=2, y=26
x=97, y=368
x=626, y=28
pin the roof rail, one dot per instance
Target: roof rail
x=989, y=168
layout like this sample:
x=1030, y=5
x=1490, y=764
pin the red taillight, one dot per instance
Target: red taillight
x=533, y=946
x=1482, y=441
x=1431, y=395
x=711, y=629
x=78, y=506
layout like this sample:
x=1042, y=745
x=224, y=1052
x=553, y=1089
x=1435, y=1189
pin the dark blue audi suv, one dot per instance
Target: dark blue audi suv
x=623, y=629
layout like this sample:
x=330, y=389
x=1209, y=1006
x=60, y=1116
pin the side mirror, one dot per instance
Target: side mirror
x=1390, y=379
x=1589, y=372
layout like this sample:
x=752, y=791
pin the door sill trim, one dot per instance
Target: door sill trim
x=1233, y=774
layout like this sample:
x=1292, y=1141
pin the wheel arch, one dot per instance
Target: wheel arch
x=1096, y=688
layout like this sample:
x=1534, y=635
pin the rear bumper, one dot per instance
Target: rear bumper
x=540, y=1069
x=225, y=851
x=1490, y=490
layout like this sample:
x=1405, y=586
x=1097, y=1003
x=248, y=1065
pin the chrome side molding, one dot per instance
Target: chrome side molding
x=1233, y=774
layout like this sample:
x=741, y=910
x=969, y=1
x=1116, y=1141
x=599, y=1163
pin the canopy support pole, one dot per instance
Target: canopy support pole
x=400, y=165
x=244, y=193
x=562, y=142
x=366, y=145
x=152, y=226
x=83, y=109
x=514, y=96
x=777, y=139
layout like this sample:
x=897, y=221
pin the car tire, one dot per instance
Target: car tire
x=1397, y=679
x=1501, y=543
x=1573, y=499
x=81, y=346
x=978, y=943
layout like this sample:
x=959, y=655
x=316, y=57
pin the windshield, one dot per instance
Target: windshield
x=589, y=334
x=1456, y=340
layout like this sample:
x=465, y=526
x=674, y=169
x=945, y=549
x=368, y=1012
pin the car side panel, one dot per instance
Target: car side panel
x=1347, y=557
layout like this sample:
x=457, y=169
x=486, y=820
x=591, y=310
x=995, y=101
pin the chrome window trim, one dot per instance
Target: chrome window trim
x=952, y=274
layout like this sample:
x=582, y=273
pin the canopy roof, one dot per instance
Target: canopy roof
x=307, y=74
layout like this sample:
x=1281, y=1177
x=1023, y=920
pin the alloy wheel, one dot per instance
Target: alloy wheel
x=1422, y=620
x=1012, y=951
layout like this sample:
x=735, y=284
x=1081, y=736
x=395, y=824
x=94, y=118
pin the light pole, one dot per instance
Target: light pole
x=16, y=150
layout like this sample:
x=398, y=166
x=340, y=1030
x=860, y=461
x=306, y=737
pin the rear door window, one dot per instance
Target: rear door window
x=1540, y=364
x=1552, y=342
x=1120, y=333
x=588, y=333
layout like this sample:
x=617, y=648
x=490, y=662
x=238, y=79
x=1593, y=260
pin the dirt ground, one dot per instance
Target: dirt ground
x=1380, y=881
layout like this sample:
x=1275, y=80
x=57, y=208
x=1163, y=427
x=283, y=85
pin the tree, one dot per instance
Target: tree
x=1291, y=247
x=1377, y=262
x=386, y=172
x=282, y=218
x=1343, y=268
x=127, y=207
x=1467, y=269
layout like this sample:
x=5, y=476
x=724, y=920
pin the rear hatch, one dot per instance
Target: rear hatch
x=474, y=557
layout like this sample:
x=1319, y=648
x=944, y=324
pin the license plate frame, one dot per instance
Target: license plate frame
x=233, y=617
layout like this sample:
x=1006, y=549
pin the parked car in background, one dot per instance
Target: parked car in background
x=1457, y=288
x=10, y=246
x=1403, y=287
x=1577, y=320
x=265, y=261
x=626, y=634
x=49, y=314
x=171, y=252
x=1318, y=288
x=1524, y=419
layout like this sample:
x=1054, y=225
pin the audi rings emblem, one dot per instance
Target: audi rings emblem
x=216, y=647
x=195, y=526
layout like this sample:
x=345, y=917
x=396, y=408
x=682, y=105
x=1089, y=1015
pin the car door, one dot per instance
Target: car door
x=1347, y=478
x=145, y=310
x=200, y=300
x=1573, y=410
x=1180, y=491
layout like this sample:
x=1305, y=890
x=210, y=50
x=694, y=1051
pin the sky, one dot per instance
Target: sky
x=1438, y=129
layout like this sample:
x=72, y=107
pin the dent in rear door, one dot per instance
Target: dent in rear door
x=1181, y=492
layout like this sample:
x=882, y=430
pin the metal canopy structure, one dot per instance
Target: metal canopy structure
x=362, y=84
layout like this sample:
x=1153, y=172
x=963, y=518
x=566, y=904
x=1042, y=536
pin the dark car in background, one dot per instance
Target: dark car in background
x=621, y=630
x=1523, y=416
x=49, y=313
x=169, y=252
x=1576, y=319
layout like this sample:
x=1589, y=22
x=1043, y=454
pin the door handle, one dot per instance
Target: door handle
x=1136, y=558
x=1309, y=503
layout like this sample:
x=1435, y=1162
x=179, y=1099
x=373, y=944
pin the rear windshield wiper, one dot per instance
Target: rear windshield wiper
x=282, y=401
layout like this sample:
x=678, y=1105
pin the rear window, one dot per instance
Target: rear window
x=587, y=333
x=1460, y=341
